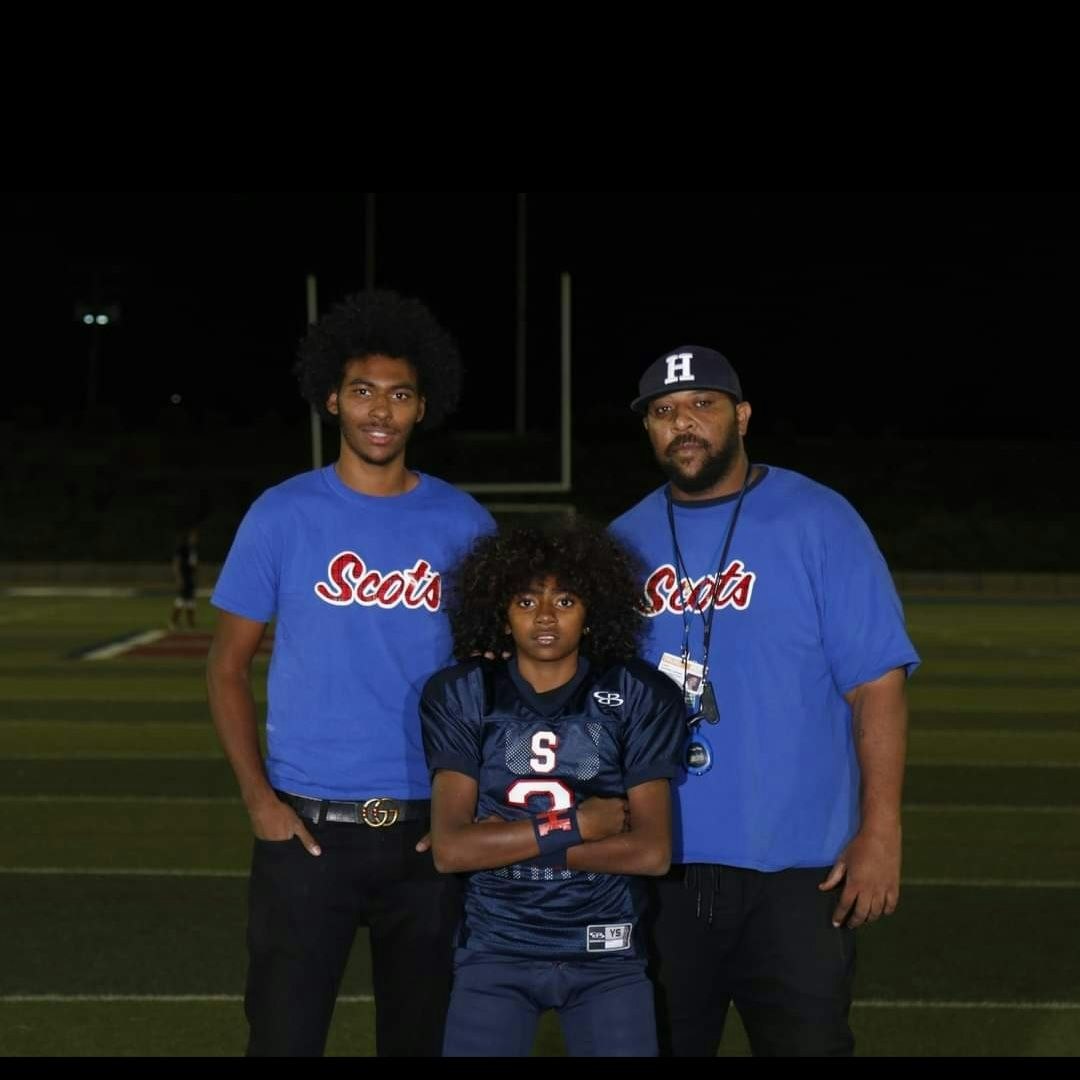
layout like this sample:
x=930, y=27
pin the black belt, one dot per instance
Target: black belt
x=378, y=812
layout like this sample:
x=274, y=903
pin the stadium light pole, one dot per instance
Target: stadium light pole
x=95, y=316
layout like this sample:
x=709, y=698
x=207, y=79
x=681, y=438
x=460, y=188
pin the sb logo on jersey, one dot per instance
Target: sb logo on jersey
x=608, y=697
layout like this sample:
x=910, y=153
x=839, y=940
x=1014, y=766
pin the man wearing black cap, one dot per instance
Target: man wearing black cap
x=770, y=604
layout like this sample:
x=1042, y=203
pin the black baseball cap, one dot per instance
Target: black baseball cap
x=689, y=367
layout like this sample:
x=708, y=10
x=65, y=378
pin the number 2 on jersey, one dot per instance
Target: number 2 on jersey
x=543, y=746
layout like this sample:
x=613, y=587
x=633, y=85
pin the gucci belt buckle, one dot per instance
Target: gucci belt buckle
x=379, y=812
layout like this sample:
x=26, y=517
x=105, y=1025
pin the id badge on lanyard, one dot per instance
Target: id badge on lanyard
x=687, y=676
x=690, y=677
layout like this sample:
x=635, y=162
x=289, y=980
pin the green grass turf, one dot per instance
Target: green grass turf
x=214, y=1029
x=184, y=935
x=211, y=777
x=995, y=723
x=108, y=777
x=214, y=835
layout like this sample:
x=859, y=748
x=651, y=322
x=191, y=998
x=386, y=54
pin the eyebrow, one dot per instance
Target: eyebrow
x=359, y=381
x=696, y=393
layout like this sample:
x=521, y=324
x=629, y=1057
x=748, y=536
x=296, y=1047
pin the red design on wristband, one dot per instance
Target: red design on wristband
x=553, y=820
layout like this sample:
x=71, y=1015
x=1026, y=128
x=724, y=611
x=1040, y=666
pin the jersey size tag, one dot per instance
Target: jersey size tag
x=673, y=667
x=608, y=937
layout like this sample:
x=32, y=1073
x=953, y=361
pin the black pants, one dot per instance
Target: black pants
x=763, y=941
x=303, y=914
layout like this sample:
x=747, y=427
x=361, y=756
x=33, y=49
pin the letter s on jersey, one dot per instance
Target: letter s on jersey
x=544, y=744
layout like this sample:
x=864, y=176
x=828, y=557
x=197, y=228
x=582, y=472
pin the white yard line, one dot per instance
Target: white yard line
x=118, y=648
x=121, y=871
x=198, y=800
x=105, y=755
x=104, y=592
x=199, y=999
x=195, y=872
x=976, y=808
x=166, y=999
x=991, y=883
x=988, y=763
x=106, y=800
x=1049, y=1006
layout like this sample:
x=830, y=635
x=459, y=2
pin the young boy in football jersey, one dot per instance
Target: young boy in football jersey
x=551, y=774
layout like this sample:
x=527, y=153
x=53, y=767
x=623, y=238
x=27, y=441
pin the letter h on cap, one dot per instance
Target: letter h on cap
x=678, y=368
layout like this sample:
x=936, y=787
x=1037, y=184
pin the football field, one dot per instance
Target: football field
x=123, y=861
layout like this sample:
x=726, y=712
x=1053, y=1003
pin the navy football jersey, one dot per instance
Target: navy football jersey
x=600, y=734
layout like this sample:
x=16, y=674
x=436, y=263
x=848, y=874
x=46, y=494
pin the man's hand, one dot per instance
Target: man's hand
x=275, y=820
x=869, y=867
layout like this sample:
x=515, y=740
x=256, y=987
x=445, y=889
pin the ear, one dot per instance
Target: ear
x=742, y=415
x=332, y=403
x=421, y=409
x=507, y=630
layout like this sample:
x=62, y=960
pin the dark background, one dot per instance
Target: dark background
x=913, y=350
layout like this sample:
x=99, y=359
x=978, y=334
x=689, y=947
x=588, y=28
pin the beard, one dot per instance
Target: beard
x=713, y=469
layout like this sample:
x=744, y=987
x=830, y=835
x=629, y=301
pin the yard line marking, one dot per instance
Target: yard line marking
x=367, y=999
x=196, y=800
x=105, y=755
x=148, y=871
x=121, y=871
x=986, y=763
x=992, y=883
x=166, y=999
x=106, y=799
x=215, y=755
x=115, y=648
x=1055, y=1006
x=998, y=732
x=103, y=592
x=976, y=808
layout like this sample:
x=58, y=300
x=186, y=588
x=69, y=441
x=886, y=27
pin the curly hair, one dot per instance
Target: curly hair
x=380, y=322
x=582, y=557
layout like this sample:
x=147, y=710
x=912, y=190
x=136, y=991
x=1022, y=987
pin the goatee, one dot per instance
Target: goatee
x=713, y=469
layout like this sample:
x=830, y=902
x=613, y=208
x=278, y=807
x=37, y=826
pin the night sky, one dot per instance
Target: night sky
x=868, y=314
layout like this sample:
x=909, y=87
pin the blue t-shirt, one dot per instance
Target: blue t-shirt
x=806, y=610
x=602, y=733
x=355, y=584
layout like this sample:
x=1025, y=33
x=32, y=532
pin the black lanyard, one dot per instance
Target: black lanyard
x=684, y=575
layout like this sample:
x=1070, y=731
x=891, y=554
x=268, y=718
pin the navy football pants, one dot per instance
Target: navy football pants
x=605, y=1006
